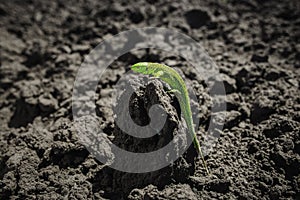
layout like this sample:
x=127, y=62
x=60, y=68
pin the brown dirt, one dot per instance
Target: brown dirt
x=256, y=46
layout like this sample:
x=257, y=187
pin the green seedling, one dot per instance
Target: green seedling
x=178, y=88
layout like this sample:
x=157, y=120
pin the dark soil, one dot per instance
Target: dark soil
x=256, y=44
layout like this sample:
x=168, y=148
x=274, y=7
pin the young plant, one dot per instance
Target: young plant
x=178, y=88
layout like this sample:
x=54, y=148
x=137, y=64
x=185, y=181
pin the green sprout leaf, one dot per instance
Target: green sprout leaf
x=178, y=88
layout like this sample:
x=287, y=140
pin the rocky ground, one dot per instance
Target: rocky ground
x=256, y=46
